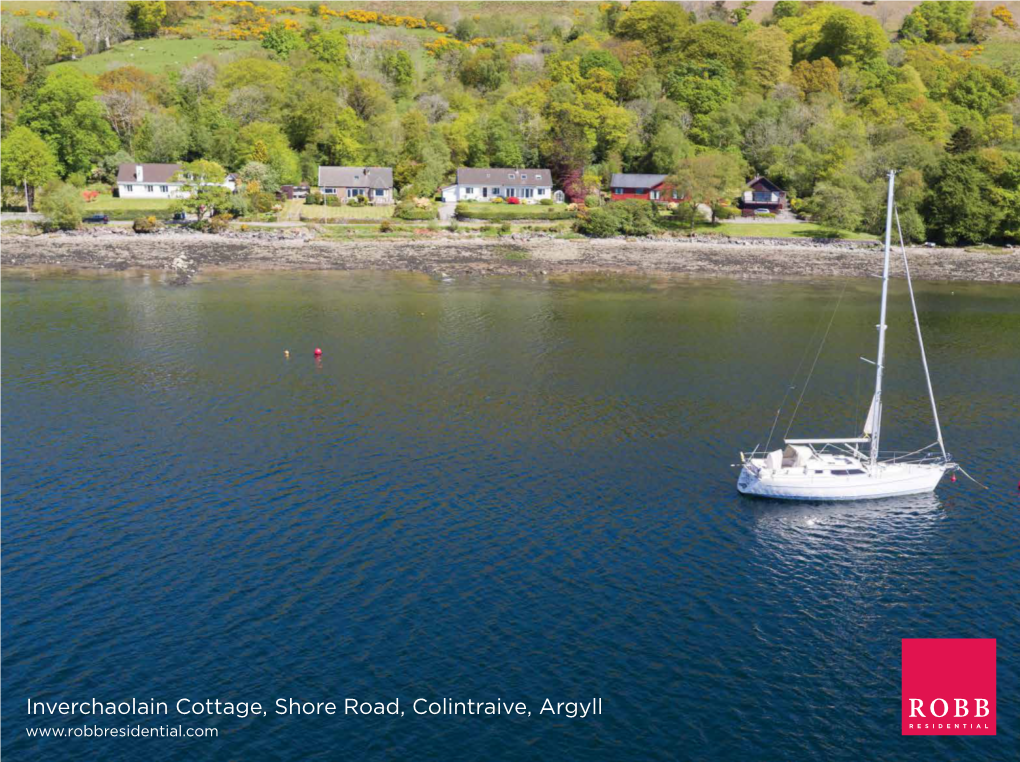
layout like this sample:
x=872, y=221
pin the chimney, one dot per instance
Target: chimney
x=138, y=172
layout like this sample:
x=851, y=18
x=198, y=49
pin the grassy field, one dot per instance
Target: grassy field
x=128, y=208
x=996, y=52
x=781, y=230
x=766, y=230
x=484, y=210
x=158, y=55
x=314, y=213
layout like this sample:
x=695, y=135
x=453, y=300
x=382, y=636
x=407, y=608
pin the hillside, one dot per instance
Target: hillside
x=821, y=98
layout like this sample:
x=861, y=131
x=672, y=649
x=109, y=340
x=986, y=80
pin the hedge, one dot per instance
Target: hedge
x=501, y=212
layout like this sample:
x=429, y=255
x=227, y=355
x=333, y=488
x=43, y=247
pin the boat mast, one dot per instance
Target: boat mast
x=880, y=362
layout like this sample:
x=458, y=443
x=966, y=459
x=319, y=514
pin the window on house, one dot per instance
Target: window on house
x=495, y=191
x=148, y=189
x=528, y=192
x=618, y=191
x=676, y=195
x=379, y=192
x=164, y=189
x=129, y=188
x=541, y=191
x=355, y=192
x=524, y=177
x=511, y=175
x=762, y=196
x=485, y=192
x=469, y=191
x=329, y=190
x=655, y=195
x=538, y=177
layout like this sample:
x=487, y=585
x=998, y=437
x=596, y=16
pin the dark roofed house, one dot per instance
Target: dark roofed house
x=762, y=193
x=487, y=183
x=641, y=186
x=350, y=182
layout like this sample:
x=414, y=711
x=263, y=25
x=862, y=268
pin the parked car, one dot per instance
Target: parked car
x=512, y=200
x=179, y=218
x=762, y=212
x=100, y=219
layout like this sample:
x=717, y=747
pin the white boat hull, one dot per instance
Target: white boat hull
x=887, y=480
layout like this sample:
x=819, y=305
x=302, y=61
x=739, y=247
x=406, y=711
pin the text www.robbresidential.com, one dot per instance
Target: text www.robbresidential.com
x=132, y=731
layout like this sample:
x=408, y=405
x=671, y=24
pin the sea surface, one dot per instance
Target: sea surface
x=491, y=488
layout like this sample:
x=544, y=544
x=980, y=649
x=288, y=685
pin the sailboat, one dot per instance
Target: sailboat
x=853, y=468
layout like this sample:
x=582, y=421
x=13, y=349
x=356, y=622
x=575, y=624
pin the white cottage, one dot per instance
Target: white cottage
x=156, y=181
x=485, y=184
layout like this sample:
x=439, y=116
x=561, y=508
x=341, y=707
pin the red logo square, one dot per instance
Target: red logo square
x=948, y=687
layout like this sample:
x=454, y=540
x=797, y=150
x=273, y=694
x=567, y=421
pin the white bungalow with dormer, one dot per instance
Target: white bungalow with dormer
x=487, y=183
x=156, y=181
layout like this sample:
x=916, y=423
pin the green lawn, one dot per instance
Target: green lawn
x=486, y=210
x=782, y=230
x=128, y=208
x=158, y=54
x=314, y=212
x=767, y=230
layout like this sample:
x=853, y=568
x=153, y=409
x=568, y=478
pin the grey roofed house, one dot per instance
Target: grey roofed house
x=535, y=178
x=151, y=173
x=376, y=178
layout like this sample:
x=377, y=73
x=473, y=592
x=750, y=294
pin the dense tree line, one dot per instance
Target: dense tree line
x=815, y=96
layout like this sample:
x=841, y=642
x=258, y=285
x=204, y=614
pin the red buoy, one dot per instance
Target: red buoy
x=952, y=478
x=318, y=352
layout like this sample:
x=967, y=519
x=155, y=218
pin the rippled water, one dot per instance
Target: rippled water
x=490, y=488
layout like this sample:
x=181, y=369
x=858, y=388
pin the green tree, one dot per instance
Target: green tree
x=203, y=186
x=702, y=88
x=345, y=142
x=487, y=69
x=399, y=69
x=960, y=206
x=836, y=207
x=265, y=142
x=820, y=76
x=163, y=137
x=660, y=26
x=329, y=47
x=27, y=162
x=770, y=56
x=282, y=40
x=600, y=59
x=840, y=34
x=145, y=16
x=12, y=73
x=65, y=113
x=716, y=41
x=62, y=205
x=704, y=180
x=940, y=22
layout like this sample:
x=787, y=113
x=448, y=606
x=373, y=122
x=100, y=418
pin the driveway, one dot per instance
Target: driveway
x=447, y=210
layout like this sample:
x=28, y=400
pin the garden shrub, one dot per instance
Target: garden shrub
x=147, y=225
x=220, y=222
x=618, y=218
x=547, y=202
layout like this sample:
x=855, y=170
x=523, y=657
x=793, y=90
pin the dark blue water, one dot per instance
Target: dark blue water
x=489, y=489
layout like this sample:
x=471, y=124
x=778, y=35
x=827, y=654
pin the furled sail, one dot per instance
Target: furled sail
x=869, y=424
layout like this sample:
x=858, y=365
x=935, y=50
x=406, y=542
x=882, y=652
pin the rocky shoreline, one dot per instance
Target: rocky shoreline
x=297, y=249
